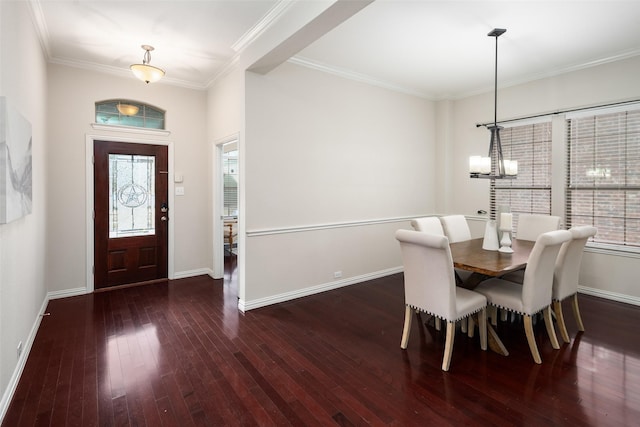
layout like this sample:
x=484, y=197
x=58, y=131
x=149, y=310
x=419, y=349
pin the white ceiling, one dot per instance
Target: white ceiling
x=435, y=49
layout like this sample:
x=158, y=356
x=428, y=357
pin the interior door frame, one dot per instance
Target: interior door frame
x=218, y=203
x=89, y=139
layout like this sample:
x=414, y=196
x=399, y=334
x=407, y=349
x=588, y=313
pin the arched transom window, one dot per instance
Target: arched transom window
x=124, y=112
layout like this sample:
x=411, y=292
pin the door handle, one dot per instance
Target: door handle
x=163, y=218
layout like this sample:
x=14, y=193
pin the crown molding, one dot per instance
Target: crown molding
x=37, y=16
x=261, y=26
x=352, y=75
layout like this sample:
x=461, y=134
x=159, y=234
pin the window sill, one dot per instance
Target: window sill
x=614, y=250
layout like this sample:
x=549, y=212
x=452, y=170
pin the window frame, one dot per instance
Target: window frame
x=573, y=186
x=148, y=117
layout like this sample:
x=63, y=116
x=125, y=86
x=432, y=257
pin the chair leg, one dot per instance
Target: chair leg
x=436, y=322
x=407, y=327
x=463, y=325
x=557, y=309
x=482, y=325
x=471, y=327
x=531, y=339
x=493, y=313
x=448, y=345
x=550, y=329
x=576, y=313
x=504, y=315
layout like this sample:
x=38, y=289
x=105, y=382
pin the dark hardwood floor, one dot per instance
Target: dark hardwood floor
x=180, y=354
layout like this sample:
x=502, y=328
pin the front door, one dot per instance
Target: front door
x=131, y=213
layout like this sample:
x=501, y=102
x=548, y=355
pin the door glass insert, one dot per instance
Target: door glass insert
x=132, y=195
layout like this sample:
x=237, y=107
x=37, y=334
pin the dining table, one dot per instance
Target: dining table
x=484, y=264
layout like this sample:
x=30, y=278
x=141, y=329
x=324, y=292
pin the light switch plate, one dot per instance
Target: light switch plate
x=179, y=191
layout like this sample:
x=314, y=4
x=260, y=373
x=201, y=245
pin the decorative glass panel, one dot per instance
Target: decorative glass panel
x=123, y=112
x=132, y=195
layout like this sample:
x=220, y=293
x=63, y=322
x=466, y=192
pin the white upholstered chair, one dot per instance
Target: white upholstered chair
x=534, y=295
x=565, y=278
x=433, y=225
x=455, y=228
x=428, y=224
x=429, y=286
x=530, y=226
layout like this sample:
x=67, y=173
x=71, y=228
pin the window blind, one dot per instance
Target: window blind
x=603, y=176
x=230, y=175
x=530, y=192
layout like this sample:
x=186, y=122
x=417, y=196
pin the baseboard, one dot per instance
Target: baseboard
x=299, y=293
x=66, y=293
x=192, y=273
x=22, y=361
x=628, y=299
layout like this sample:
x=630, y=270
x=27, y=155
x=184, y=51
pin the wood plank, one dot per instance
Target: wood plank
x=179, y=353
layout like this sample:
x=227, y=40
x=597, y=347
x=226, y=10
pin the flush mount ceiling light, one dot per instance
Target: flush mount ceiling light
x=145, y=72
x=127, y=109
x=494, y=166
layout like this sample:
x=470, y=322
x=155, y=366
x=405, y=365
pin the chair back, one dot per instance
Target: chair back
x=530, y=226
x=428, y=224
x=429, y=281
x=538, y=275
x=565, y=277
x=456, y=228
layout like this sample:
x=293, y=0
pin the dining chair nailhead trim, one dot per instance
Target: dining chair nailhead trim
x=442, y=318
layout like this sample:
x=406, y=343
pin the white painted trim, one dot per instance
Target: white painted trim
x=358, y=77
x=267, y=21
x=613, y=296
x=89, y=138
x=613, y=250
x=218, y=203
x=193, y=273
x=67, y=293
x=22, y=361
x=131, y=129
x=299, y=293
x=328, y=226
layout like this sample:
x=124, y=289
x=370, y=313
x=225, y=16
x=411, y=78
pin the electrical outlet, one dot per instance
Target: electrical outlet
x=19, y=348
x=337, y=274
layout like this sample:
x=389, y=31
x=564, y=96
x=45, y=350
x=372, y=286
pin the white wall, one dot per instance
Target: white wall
x=602, y=274
x=322, y=150
x=22, y=242
x=72, y=94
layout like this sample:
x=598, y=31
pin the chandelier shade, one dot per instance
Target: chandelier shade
x=146, y=72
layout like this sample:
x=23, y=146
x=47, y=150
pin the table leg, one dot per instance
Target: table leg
x=495, y=343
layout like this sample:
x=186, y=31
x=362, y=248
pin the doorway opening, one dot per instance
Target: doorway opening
x=227, y=221
x=230, y=198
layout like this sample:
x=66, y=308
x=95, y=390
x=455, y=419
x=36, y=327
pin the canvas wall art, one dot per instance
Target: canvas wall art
x=15, y=164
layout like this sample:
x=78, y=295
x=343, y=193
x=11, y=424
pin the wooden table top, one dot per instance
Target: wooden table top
x=469, y=255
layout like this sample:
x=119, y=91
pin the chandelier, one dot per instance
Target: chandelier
x=494, y=166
